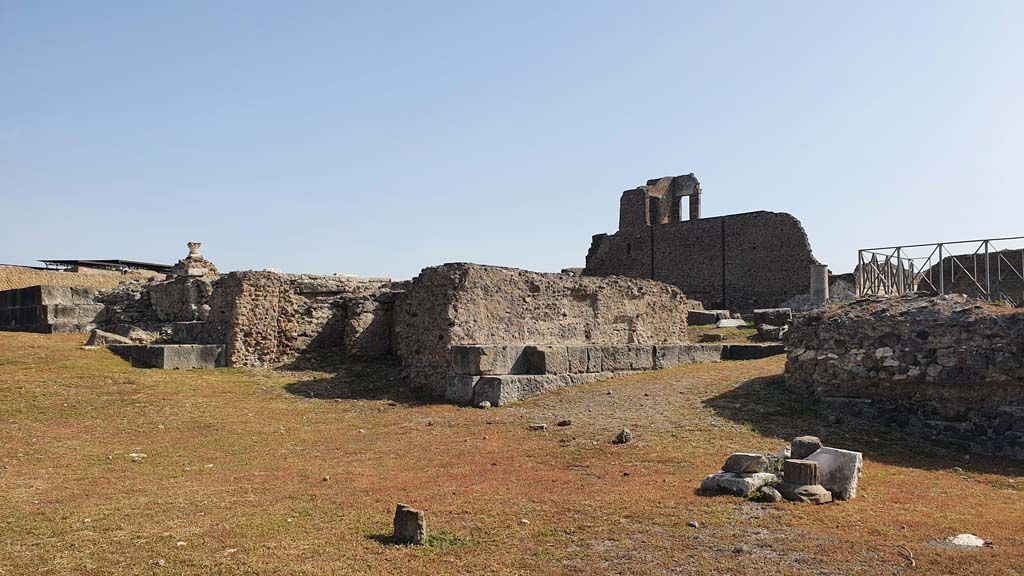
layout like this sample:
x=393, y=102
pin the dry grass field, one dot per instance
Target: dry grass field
x=258, y=472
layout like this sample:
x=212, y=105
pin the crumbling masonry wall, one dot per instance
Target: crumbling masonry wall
x=947, y=368
x=468, y=304
x=738, y=262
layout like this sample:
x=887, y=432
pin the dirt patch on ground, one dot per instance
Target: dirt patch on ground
x=260, y=472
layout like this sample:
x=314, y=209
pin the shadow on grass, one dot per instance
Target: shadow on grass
x=379, y=379
x=433, y=540
x=768, y=407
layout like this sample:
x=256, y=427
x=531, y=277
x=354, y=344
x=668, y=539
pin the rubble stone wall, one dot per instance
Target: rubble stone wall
x=945, y=367
x=469, y=304
x=738, y=262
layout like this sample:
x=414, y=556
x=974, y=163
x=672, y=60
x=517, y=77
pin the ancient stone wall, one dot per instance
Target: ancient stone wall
x=49, y=309
x=456, y=304
x=943, y=367
x=739, y=262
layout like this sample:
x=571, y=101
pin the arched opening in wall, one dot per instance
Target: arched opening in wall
x=682, y=211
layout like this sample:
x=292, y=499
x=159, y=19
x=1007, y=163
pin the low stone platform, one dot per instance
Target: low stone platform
x=504, y=374
x=171, y=356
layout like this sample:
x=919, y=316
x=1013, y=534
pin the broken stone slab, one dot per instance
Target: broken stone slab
x=771, y=494
x=711, y=337
x=410, y=525
x=100, y=338
x=803, y=446
x=706, y=317
x=773, y=316
x=745, y=463
x=742, y=485
x=489, y=359
x=730, y=323
x=840, y=470
x=771, y=333
x=812, y=494
x=171, y=356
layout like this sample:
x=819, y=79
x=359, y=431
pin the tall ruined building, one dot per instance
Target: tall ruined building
x=739, y=261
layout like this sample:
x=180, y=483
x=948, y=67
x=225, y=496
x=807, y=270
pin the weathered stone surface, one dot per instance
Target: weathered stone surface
x=771, y=494
x=771, y=333
x=49, y=309
x=706, y=317
x=461, y=389
x=752, y=260
x=812, y=493
x=457, y=304
x=624, y=437
x=801, y=472
x=803, y=446
x=773, y=316
x=712, y=337
x=548, y=359
x=942, y=368
x=752, y=351
x=171, y=356
x=100, y=338
x=627, y=357
x=490, y=359
x=745, y=463
x=738, y=484
x=840, y=470
x=410, y=525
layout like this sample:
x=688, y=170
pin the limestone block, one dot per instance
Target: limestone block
x=410, y=525
x=666, y=356
x=730, y=323
x=840, y=470
x=626, y=357
x=804, y=446
x=489, y=359
x=739, y=484
x=752, y=351
x=101, y=338
x=773, y=316
x=812, y=493
x=171, y=356
x=548, y=359
x=745, y=463
x=579, y=359
x=801, y=472
x=460, y=388
x=705, y=317
x=507, y=389
x=700, y=353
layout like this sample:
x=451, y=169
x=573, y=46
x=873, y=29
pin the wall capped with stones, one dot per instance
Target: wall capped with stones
x=472, y=304
x=945, y=367
x=738, y=262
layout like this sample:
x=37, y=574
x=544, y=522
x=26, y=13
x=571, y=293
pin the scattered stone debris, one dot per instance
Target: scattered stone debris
x=483, y=405
x=712, y=337
x=693, y=524
x=410, y=525
x=624, y=437
x=771, y=333
x=101, y=338
x=804, y=472
x=137, y=456
x=730, y=323
x=962, y=542
x=538, y=427
x=566, y=422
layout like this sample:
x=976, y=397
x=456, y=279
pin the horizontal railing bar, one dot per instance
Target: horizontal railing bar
x=945, y=243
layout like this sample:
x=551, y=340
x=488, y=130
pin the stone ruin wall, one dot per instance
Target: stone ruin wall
x=468, y=304
x=947, y=368
x=737, y=262
x=49, y=309
x=262, y=318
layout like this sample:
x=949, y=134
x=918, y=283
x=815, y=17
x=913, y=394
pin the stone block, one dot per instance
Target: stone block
x=706, y=317
x=460, y=388
x=773, y=316
x=742, y=485
x=579, y=359
x=730, y=323
x=627, y=357
x=811, y=493
x=752, y=351
x=410, y=525
x=700, y=353
x=745, y=463
x=666, y=356
x=548, y=359
x=840, y=470
x=480, y=360
x=101, y=338
x=804, y=446
x=508, y=389
x=771, y=333
x=171, y=356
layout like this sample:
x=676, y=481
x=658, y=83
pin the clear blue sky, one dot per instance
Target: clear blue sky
x=376, y=138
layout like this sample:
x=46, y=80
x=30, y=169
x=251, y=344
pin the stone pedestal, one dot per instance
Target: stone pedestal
x=819, y=284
